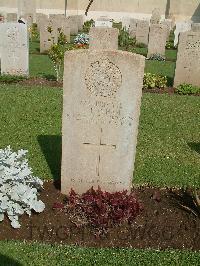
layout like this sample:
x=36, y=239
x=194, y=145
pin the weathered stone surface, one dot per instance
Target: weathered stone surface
x=196, y=27
x=156, y=16
x=188, y=59
x=73, y=24
x=103, y=38
x=14, y=49
x=56, y=16
x=48, y=36
x=181, y=26
x=102, y=97
x=80, y=22
x=27, y=7
x=11, y=17
x=40, y=19
x=133, y=27
x=157, y=39
x=168, y=24
x=142, y=32
x=29, y=19
x=103, y=22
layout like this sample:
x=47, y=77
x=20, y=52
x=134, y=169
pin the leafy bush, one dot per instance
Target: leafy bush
x=82, y=38
x=124, y=38
x=187, y=89
x=11, y=79
x=157, y=57
x=18, y=187
x=154, y=81
x=62, y=38
x=101, y=210
x=87, y=25
x=56, y=54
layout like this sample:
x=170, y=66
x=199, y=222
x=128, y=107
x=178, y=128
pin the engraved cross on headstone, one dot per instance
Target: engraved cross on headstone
x=100, y=145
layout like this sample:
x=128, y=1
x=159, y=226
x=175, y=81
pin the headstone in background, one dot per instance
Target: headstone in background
x=15, y=49
x=168, y=24
x=156, y=16
x=196, y=27
x=40, y=19
x=157, y=40
x=80, y=22
x=103, y=22
x=101, y=108
x=48, y=36
x=73, y=24
x=188, y=59
x=11, y=17
x=27, y=7
x=181, y=26
x=142, y=32
x=29, y=20
x=133, y=27
x=103, y=38
x=56, y=16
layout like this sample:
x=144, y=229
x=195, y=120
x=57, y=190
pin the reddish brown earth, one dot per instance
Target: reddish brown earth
x=162, y=224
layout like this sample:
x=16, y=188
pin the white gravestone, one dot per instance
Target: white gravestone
x=181, y=26
x=15, y=49
x=101, y=108
x=188, y=59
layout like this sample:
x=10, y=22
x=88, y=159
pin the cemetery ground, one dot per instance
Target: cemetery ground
x=168, y=159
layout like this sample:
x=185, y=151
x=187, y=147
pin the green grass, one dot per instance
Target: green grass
x=168, y=144
x=16, y=253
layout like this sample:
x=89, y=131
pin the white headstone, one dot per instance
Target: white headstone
x=101, y=108
x=15, y=49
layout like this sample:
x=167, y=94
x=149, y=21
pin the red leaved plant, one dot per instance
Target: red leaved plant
x=102, y=210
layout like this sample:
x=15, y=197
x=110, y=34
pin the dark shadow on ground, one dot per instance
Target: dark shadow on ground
x=196, y=15
x=51, y=147
x=6, y=261
x=195, y=146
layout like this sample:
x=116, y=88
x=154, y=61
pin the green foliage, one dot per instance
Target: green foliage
x=87, y=25
x=11, y=79
x=124, y=38
x=169, y=45
x=33, y=31
x=56, y=54
x=117, y=25
x=187, y=89
x=154, y=81
x=62, y=39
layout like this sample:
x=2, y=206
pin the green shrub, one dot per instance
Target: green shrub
x=187, y=89
x=87, y=25
x=11, y=79
x=124, y=39
x=154, y=81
